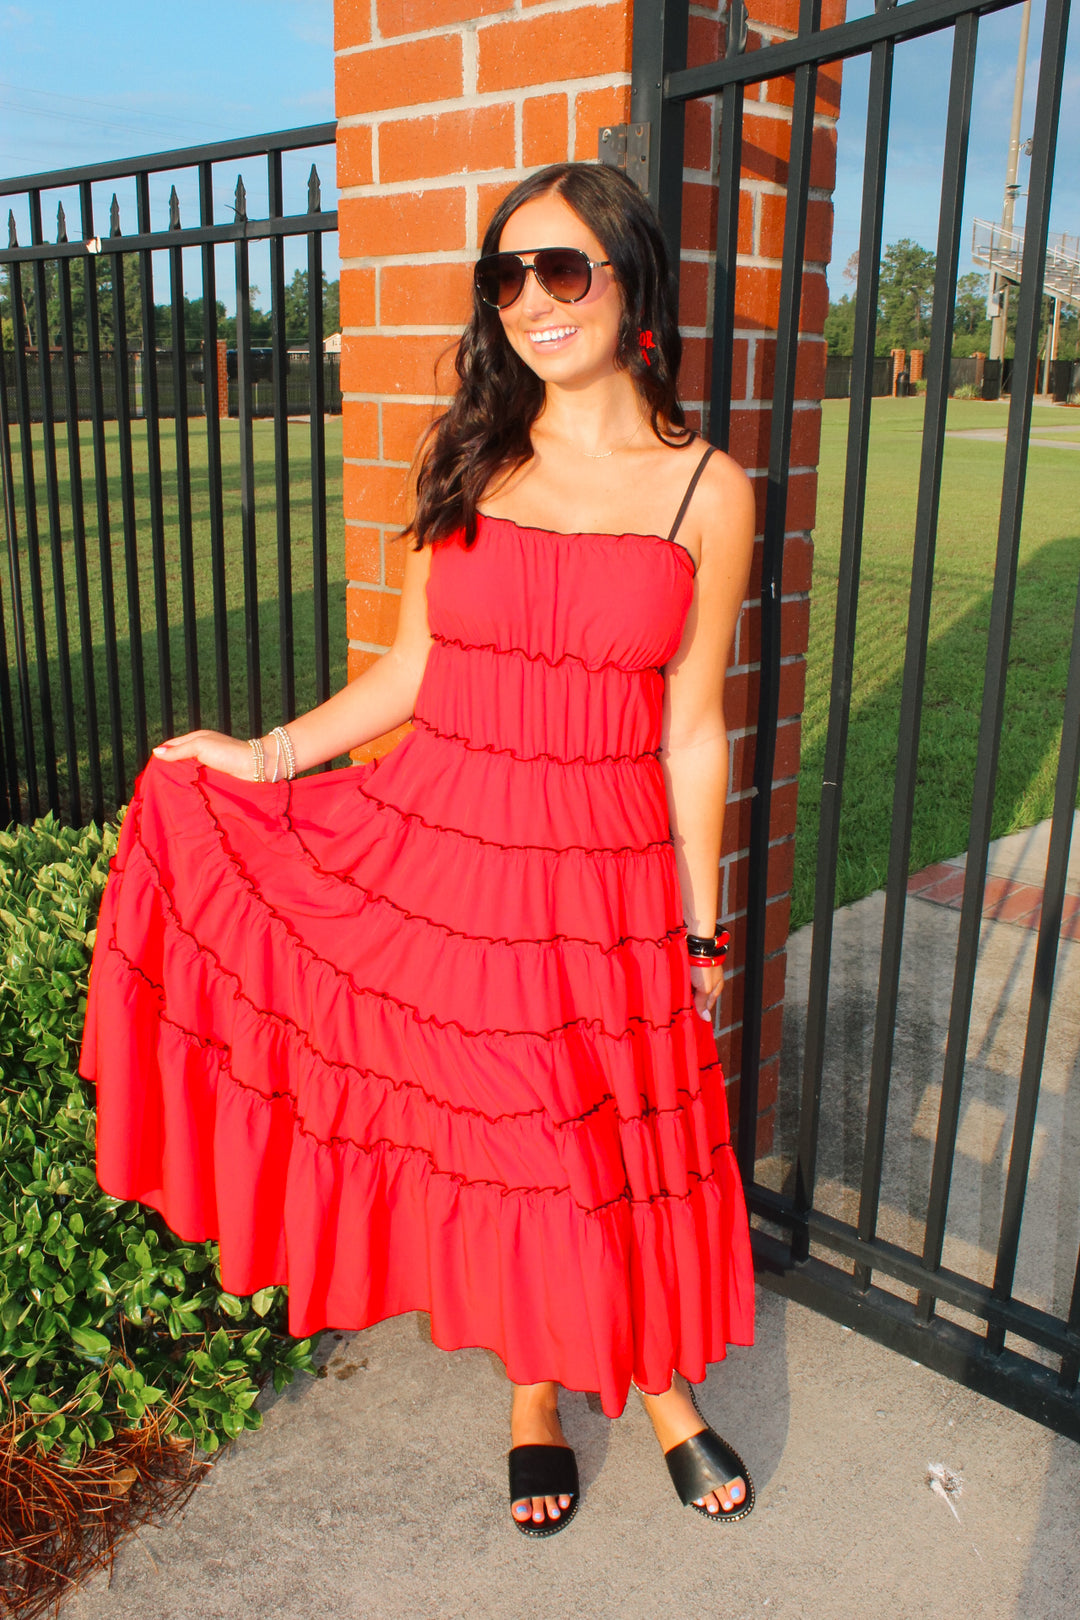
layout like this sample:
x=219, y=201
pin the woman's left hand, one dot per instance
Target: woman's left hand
x=707, y=979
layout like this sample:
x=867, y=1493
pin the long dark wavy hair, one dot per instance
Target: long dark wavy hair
x=485, y=433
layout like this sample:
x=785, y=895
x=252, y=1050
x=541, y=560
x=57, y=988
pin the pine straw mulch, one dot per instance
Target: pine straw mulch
x=58, y=1523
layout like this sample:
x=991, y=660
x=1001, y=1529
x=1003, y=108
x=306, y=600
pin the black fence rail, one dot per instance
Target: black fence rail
x=139, y=598
x=973, y=1323
x=161, y=392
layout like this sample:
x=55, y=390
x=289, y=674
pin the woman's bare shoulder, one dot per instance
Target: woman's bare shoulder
x=724, y=507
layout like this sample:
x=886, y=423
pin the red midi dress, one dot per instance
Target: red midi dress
x=418, y=1034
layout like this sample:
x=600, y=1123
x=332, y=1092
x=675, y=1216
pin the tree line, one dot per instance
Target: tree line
x=104, y=269
x=906, y=307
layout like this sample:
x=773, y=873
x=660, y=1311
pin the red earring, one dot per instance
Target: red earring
x=647, y=342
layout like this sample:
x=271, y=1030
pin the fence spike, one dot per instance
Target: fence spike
x=61, y=224
x=240, y=204
x=314, y=192
x=174, y=210
x=13, y=235
x=114, y=217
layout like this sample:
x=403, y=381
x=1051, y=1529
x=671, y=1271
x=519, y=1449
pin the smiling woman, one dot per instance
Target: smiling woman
x=434, y=1033
x=577, y=320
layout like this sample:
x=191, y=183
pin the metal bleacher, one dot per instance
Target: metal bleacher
x=1002, y=250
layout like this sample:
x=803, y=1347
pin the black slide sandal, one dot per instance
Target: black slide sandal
x=543, y=1471
x=705, y=1463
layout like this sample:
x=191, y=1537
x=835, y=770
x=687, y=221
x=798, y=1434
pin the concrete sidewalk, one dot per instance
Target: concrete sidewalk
x=378, y=1490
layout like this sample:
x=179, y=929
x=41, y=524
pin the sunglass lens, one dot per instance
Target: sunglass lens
x=499, y=279
x=564, y=272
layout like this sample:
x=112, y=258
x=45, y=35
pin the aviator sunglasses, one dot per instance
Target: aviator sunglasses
x=564, y=273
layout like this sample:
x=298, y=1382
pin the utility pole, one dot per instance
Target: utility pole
x=1001, y=288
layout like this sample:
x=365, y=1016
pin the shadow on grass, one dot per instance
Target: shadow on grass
x=1030, y=741
x=130, y=760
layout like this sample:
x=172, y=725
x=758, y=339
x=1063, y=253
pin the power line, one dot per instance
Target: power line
x=107, y=106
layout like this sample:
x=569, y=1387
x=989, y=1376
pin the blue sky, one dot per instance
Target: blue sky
x=81, y=84
x=917, y=134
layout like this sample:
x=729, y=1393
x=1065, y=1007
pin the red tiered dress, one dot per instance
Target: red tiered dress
x=419, y=1034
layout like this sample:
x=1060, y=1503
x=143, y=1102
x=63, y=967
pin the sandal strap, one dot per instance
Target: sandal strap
x=702, y=1464
x=542, y=1471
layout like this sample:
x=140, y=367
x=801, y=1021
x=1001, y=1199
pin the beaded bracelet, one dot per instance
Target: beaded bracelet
x=255, y=744
x=284, y=742
x=703, y=949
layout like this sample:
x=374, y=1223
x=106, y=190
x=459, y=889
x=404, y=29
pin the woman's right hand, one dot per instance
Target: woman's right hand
x=213, y=748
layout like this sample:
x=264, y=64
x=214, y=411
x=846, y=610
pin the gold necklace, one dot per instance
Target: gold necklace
x=602, y=455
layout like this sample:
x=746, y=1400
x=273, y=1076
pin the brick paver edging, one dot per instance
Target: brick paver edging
x=1004, y=899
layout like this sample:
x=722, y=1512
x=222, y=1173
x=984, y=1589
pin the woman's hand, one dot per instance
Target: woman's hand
x=707, y=979
x=213, y=748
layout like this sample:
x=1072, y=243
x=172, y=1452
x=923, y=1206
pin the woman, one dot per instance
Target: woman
x=434, y=1033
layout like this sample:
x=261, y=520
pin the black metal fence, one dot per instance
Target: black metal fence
x=297, y=369
x=139, y=595
x=143, y=393
x=838, y=376
x=969, y=1323
x=1063, y=379
x=989, y=378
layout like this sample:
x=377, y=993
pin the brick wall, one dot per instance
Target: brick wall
x=442, y=106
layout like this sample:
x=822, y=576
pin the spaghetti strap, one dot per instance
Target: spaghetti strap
x=690, y=488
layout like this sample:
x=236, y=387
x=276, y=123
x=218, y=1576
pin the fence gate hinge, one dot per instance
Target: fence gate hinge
x=626, y=147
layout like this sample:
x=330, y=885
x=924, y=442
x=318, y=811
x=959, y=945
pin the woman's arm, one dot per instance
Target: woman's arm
x=375, y=702
x=694, y=745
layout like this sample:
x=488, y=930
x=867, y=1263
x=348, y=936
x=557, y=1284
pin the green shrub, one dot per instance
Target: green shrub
x=99, y=1302
x=967, y=391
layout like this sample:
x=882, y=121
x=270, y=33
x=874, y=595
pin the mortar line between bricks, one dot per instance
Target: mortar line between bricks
x=510, y=17
x=476, y=101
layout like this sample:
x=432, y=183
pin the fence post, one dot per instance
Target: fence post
x=766, y=139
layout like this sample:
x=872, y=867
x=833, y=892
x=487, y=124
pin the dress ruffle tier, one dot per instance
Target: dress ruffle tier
x=419, y=1034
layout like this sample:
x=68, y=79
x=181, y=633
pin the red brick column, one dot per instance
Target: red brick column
x=223, y=378
x=442, y=105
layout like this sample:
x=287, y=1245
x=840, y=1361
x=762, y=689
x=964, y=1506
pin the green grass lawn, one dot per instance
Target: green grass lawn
x=158, y=722
x=963, y=580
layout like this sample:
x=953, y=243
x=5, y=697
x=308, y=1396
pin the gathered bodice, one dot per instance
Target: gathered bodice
x=550, y=644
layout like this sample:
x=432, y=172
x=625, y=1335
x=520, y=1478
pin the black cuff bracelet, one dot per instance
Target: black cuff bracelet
x=702, y=949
